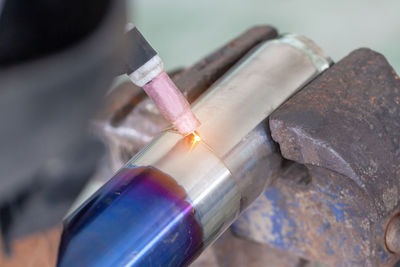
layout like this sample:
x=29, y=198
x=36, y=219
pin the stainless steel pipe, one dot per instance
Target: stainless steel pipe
x=214, y=179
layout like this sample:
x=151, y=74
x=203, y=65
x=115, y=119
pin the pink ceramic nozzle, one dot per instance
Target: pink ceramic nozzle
x=171, y=103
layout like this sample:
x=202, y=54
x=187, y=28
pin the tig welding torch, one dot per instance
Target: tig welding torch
x=145, y=69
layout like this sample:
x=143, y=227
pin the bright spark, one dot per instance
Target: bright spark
x=196, y=139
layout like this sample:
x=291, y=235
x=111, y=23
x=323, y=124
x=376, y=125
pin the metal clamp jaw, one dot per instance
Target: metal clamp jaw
x=344, y=127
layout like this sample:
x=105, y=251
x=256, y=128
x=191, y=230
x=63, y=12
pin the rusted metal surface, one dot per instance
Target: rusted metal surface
x=311, y=220
x=354, y=108
x=232, y=251
x=128, y=127
x=344, y=129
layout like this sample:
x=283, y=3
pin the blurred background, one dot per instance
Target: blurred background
x=184, y=31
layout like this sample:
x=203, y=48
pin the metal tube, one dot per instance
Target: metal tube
x=189, y=192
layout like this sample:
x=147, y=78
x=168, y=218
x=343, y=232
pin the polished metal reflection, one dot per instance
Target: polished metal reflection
x=236, y=159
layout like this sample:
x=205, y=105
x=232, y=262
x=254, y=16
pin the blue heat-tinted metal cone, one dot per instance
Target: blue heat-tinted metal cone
x=141, y=217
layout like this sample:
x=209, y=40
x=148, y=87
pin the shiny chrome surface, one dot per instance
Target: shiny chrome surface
x=236, y=158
